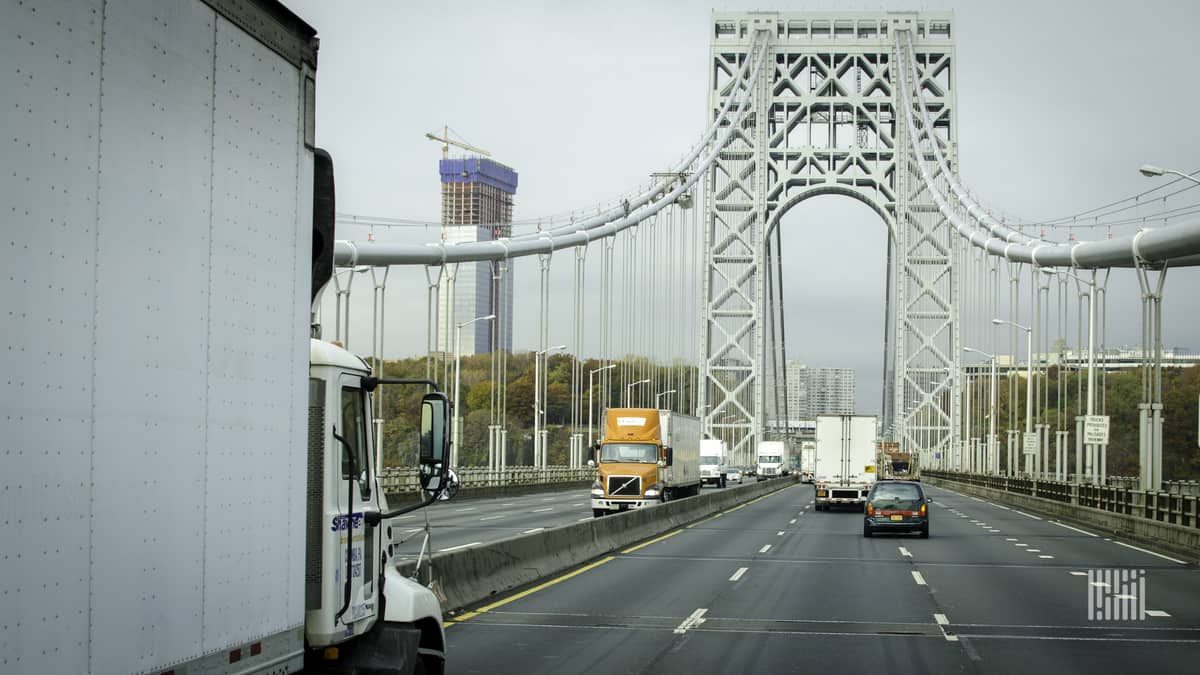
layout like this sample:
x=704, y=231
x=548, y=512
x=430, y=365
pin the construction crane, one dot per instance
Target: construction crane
x=446, y=142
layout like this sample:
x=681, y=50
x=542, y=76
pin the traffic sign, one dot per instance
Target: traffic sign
x=1095, y=430
x=1031, y=443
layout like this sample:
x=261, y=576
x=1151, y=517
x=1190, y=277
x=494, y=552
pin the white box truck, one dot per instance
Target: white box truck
x=188, y=479
x=845, y=463
x=714, y=462
x=808, y=461
x=771, y=457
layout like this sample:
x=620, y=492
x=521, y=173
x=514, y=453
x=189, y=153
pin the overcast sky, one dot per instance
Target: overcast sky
x=1057, y=106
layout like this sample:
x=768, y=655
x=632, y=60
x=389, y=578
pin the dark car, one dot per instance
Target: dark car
x=897, y=506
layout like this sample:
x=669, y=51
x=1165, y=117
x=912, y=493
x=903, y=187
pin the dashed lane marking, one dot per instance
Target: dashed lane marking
x=491, y=517
x=918, y=578
x=764, y=549
x=779, y=533
x=548, y=508
x=1078, y=574
x=905, y=552
x=738, y=574
x=1156, y=612
x=792, y=521
x=1046, y=557
x=696, y=618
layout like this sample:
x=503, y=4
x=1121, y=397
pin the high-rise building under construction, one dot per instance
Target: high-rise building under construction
x=477, y=199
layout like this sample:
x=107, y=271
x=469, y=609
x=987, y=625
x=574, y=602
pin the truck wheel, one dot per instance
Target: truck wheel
x=722, y=482
x=599, y=513
x=867, y=531
x=925, y=532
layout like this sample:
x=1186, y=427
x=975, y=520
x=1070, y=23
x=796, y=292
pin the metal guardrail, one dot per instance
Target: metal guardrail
x=396, y=480
x=1165, y=507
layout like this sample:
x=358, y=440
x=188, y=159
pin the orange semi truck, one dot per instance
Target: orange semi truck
x=646, y=456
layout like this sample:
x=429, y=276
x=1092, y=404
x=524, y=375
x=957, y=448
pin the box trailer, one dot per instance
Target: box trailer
x=845, y=466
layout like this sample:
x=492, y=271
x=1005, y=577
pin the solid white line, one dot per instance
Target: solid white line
x=578, y=521
x=1075, y=529
x=1164, y=557
x=537, y=529
x=792, y=521
x=692, y=621
x=904, y=552
x=765, y=549
x=738, y=574
x=491, y=517
x=1026, y=514
x=941, y=619
x=918, y=578
x=548, y=508
x=455, y=548
x=1001, y=507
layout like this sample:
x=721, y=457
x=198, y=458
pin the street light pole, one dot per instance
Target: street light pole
x=660, y=395
x=1150, y=171
x=590, y=374
x=1028, y=382
x=629, y=387
x=538, y=450
x=456, y=429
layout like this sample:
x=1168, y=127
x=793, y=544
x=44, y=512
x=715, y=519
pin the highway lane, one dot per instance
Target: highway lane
x=465, y=522
x=774, y=586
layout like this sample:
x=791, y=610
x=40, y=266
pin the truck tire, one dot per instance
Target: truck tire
x=599, y=513
x=867, y=531
x=722, y=482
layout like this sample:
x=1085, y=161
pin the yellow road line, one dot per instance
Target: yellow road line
x=528, y=591
x=652, y=541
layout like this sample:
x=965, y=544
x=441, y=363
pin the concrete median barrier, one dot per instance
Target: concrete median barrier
x=472, y=575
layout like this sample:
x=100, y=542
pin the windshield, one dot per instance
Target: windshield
x=710, y=459
x=629, y=452
x=895, y=494
x=770, y=459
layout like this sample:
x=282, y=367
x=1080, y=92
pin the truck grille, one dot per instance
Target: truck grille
x=624, y=486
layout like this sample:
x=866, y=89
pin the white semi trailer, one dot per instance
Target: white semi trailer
x=188, y=480
x=845, y=464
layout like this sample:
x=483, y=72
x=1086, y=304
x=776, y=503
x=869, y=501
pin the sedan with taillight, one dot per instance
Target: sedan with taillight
x=897, y=506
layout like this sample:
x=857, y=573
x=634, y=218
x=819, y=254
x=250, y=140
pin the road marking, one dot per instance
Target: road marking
x=1079, y=574
x=579, y=504
x=1034, y=550
x=581, y=520
x=738, y=574
x=455, y=548
x=1125, y=596
x=464, y=510
x=1099, y=584
x=702, y=521
x=792, y=521
x=1011, y=539
x=508, y=504
x=905, y=552
x=1020, y=544
x=491, y=517
x=652, y=541
x=403, y=517
x=1046, y=557
x=993, y=530
x=1026, y=514
x=765, y=549
x=548, y=499
x=942, y=622
x=548, y=508
x=1136, y=548
x=692, y=621
x=918, y=578
x=975, y=521
x=1076, y=529
x=977, y=499
x=537, y=529
x=779, y=533
x=1156, y=612
x=529, y=591
x=1002, y=507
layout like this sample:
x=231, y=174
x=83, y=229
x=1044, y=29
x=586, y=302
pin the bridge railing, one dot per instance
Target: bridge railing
x=397, y=480
x=1175, y=507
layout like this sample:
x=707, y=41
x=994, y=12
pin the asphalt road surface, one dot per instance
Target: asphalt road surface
x=776, y=587
x=461, y=523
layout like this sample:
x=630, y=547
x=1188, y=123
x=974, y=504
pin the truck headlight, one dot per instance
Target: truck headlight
x=654, y=491
x=597, y=489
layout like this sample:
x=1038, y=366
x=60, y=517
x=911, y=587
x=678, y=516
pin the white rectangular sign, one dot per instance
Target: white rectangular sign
x=1095, y=430
x=1031, y=443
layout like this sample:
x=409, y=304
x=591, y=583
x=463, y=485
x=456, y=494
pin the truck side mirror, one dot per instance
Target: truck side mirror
x=435, y=444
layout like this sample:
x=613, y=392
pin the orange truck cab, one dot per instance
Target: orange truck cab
x=646, y=456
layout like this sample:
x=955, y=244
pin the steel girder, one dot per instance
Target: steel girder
x=825, y=120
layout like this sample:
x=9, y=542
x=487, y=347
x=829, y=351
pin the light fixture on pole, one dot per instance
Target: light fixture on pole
x=1151, y=171
x=457, y=370
x=590, y=374
x=629, y=387
x=659, y=395
x=538, y=450
x=992, y=457
x=1028, y=383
